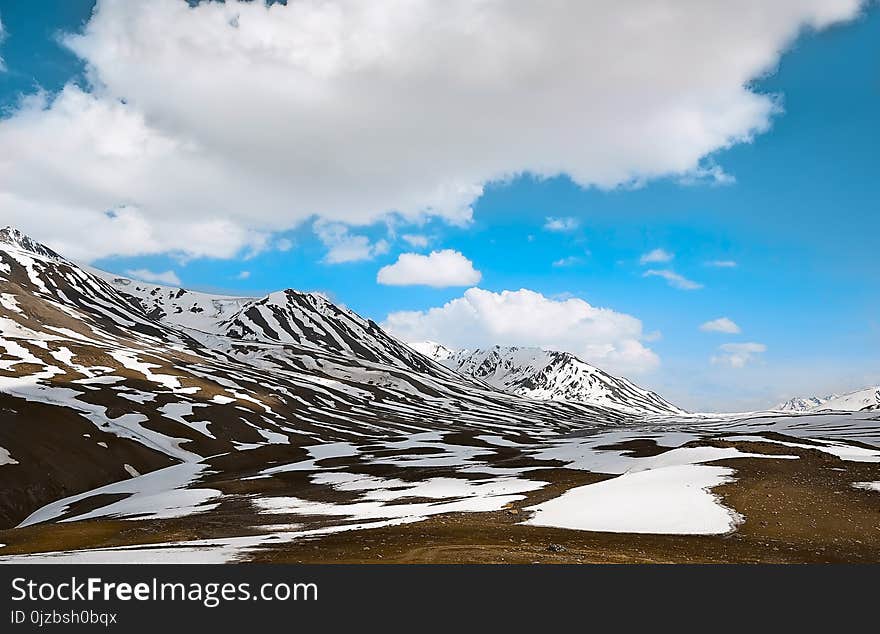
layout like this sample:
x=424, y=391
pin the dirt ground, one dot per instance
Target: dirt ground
x=796, y=511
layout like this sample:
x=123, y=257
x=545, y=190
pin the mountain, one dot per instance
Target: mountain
x=859, y=401
x=548, y=375
x=286, y=317
x=432, y=349
x=103, y=377
x=866, y=399
x=801, y=404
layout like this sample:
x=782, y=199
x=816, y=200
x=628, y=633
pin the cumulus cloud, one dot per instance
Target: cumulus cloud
x=169, y=278
x=722, y=264
x=259, y=117
x=673, y=279
x=602, y=336
x=438, y=269
x=657, y=255
x=722, y=324
x=738, y=355
x=344, y=246
x=243, y=275
x=561, y=224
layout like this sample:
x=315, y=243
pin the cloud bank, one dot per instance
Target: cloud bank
x=206, y=128
x=607, y=338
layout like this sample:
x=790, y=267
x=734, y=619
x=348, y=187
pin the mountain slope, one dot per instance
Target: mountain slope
x=549, y=375
x=432, y=349
x=866, y=399
x=102, y=377
x=287, y=317
x=858, y=401
x=133, y=432
x=803, y=404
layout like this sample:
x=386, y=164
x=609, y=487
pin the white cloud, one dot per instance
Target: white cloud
x=722, y=264
x=610, y=339
x=343, y=246
x=673, y=279
x=738, y=355
x=561, y=224
x=657, y=255
x=284, y=244
x=168, y=278
x=259, y=117
x=708, y=173
x=570, y=260
x=722, y=324
x=243, y=275
x=415, y=240
x=438, y=269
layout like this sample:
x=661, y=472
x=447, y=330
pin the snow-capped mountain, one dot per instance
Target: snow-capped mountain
x=548, y=375
x=803, y=404
x=857, y=401
x=182, y=424
x=287, y=317
x=860, y=400
x=432, y=349
x=12, y=238
x=103, y=377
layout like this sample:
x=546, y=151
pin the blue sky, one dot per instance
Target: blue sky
x=796, y=210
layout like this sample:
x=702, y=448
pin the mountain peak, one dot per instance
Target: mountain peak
x=866, y=399
x=540, y=374
x=432, y=349
x=804, y=403
x=12, y=237
x=859, y=400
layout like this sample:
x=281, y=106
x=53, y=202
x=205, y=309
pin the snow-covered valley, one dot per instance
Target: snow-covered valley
x=234, y=428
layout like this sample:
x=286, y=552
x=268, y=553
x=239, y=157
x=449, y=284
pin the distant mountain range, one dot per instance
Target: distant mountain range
x=860, y=400
x=548, y=375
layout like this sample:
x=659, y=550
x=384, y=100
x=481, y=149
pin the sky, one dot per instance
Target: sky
x=682, y=193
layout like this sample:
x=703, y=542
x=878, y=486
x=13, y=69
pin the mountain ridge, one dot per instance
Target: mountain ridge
x=865, y=399
x=100, y=380
x=541, y=374
x=287, y=317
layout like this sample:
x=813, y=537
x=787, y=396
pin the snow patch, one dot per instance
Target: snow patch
x=674, y=500
x=159, y=494
x=6, y=457
x=868, y=486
